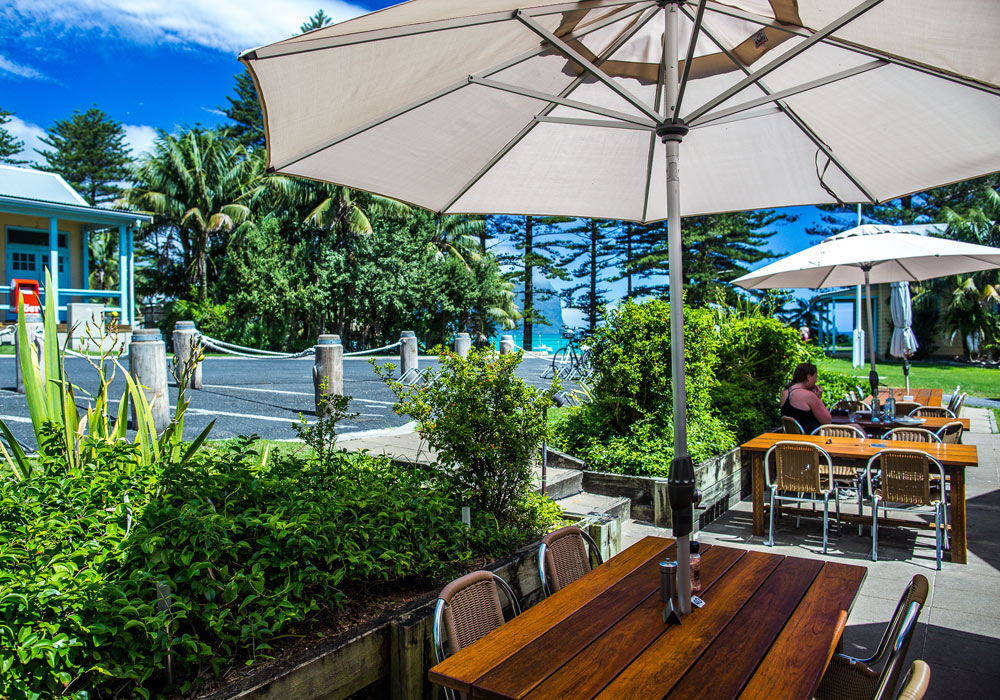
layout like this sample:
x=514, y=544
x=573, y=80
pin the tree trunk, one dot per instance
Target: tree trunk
x=628, y=259
x=529, y=280
x=201, y=266
x=592, y=306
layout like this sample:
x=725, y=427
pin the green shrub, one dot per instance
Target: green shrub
x=247, y=552
x=485, y=423
x=630, y=355
x=757, y=354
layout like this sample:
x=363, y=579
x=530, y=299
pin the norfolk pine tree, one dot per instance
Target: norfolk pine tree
x=90, y=153
x=9, y=145
x=533, y=237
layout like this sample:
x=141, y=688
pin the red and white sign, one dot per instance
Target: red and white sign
x=27, y=291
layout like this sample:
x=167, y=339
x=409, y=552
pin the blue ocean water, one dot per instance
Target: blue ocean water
x=543, y=342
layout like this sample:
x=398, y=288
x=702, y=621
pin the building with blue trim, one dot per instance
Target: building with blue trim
x=45, y=223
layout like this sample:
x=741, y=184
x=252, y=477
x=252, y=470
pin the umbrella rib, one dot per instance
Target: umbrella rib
x=788, y=92
x=365, y=37
x=430, y=97
x=796, y=120
x=864, y=51
x=593, y=122
x=555, y=99
x=913, y=277
x=688, y=59
x=784, y=58
x=587, y=65
x=657, y=99
x=615, y=45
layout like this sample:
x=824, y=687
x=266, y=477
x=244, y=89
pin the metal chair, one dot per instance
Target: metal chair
x=905, y=408
x=563, y=557
x=911, y=435
x=849, y=678
x=951, y=432
x=469, y=608
x=798, y=470
x=931, y=412
x=792, y=426
x=957, y=410
x=916, y=681
x=906, y=480
x=851, y=406
x=954, y=398
x=840, y=430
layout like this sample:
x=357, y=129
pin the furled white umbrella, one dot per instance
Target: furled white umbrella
x=873, y=254
x=579, y=108
x=903, y=343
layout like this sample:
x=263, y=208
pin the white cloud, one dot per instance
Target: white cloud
x=139, y=138
x=226, y=25
x=21, y=71
x=31, y=134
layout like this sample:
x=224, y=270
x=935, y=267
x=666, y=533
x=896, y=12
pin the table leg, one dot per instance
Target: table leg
x=758, y=494
x=958, y=544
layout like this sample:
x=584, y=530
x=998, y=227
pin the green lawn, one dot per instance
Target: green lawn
x=978, y=381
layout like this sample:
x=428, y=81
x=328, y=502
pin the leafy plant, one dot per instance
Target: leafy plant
x=59, y=428
x=321, y=436
x=485, y=423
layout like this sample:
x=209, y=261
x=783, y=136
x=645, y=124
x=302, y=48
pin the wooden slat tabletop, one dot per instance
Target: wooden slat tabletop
x=924, y=397
x=603, y=637
x=948, y=454
x=930, y=422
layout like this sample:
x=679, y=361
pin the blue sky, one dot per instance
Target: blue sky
x=163, y=64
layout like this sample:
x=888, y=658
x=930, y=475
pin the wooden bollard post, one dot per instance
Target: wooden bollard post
x=407, y=352
x=184, y=335
x=147, y=363
x=462, y=344
x=329, y=366
x=33, y=325
x=507, y=345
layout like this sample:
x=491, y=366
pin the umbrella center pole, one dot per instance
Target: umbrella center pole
x=681, y=487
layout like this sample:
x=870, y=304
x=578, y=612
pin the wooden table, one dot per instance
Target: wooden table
x=954, y=458
x=768, y=629
x=924, y=397
x=864, y=419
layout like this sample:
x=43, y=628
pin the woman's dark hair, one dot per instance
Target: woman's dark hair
x=803, y=371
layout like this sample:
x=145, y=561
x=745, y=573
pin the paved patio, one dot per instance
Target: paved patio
x=958, y=633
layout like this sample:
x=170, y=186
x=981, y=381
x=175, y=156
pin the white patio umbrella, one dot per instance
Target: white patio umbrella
x=579, y=108
x=873, y=254
x=903, y=343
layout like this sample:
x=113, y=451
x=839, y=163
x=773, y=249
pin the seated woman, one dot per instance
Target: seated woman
x=802, y=399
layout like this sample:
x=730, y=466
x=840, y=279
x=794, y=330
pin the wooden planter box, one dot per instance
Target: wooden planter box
x=723, y=481
x=389, y=657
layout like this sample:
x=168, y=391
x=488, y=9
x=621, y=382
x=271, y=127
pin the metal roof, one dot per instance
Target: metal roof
x=27, y=191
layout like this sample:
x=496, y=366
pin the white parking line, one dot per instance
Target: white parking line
x=251, y=416
x=249, y=388
x=15, y=419
x=290, y=393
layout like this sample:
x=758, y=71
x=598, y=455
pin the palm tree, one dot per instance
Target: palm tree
x=197, y=184
x=457, y=235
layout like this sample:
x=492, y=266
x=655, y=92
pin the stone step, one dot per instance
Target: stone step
x=584, y=503
x=559, y=483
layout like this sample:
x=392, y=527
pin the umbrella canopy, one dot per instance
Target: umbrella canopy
x=903, y=343
x=580, y=108
x=873, y=253
x=890, y=253
x=499, y=106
